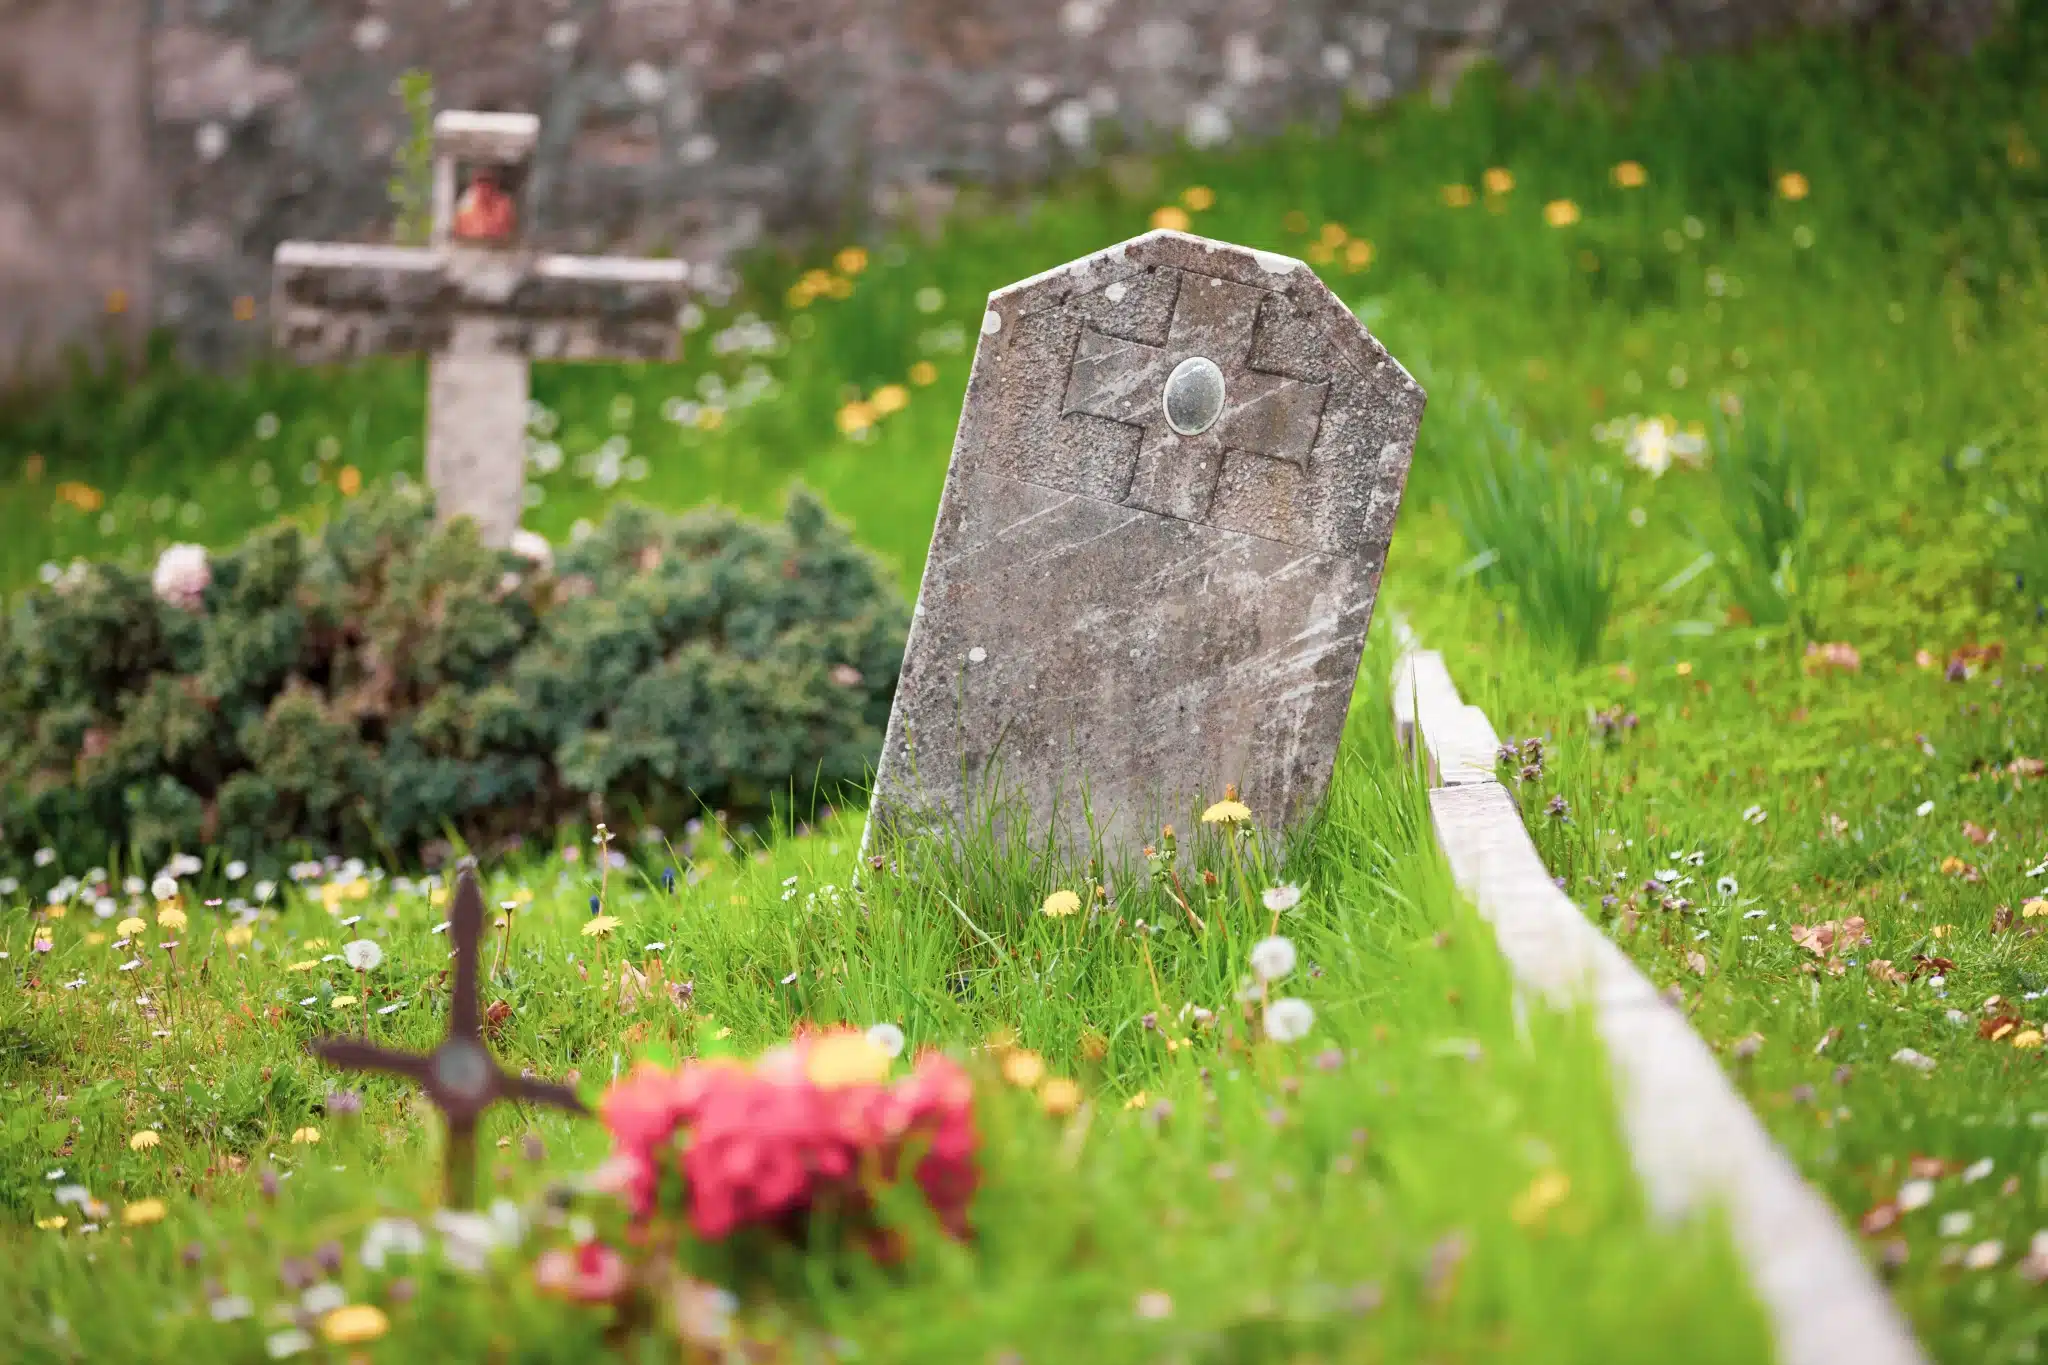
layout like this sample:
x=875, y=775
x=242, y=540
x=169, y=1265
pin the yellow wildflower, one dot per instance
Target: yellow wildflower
x=245, y=308
x=1457, y=196
x=710, y=418
x=1560, y=213
x=844, y=1059
x=856, y=417
x=56, y=911
x=852, y=260
x=1060, y=904
x=1172, y=217
x=143, y=1140
x=1137, y=1101
x=2027, y=1038
x=1228, y=811
x=1333, y=235
x=1024, y=1069
x=354, y=1324
x=130, y=927
x=143, y=1211
x=171, y=918
x=889, y=398
x=1792, y=185
x=438, y=896
x=1498, y=180
x=52, y=1223
x=1545, y=1193
x=1358, y=253
x=1059, y=1097
x=302, y=966
x=349, y=481
x=2035, y=908
x=240, y=935
x=923, y=373
x=1630, y=175
x=1198, y=197
x=600, y=926
x=341, y=1002
x=306, y=1137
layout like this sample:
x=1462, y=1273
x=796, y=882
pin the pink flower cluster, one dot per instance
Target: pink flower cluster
x=811, y=1124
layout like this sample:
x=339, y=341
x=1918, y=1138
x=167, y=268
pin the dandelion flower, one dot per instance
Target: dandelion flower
x=306, y=1137
x=1560, y=213
x=53, y=1223
x=1281, y=899
x=1060, y=904
x=130, y=927
x=1498, y=180
x=1198, y=197
x=362, y=954
x=341, y=1002
x=171, y=919
x=888, y=1038
x=240, y=935
x=1272, y=958
x=1059, y=1097
x=1792, y=186
x=144, y=1140
x=923, y=373
x=889, y=398
x=845, y=1059
x=1024, y=1069
x=1228, y=811
x=356, y=1323
x=143, y=1211
x=600, y=926
x=1172, y=217
x=1457, y=196
x=1630, y=175
x=1289, y=1020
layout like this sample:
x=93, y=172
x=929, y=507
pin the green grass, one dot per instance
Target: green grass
x=1361, y=1195
x=1893, y=315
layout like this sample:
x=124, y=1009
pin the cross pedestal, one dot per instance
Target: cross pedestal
x=482, y=306
x=460, y=1076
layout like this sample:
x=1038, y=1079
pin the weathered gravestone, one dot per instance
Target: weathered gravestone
x=482, y=305
x=1156, y=554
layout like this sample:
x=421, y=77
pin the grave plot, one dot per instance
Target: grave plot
x=1342, y=1133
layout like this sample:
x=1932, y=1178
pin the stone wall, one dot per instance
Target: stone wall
x=702, y=126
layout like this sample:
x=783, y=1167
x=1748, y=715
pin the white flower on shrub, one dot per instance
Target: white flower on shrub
x=181, y=576
x=533, y=547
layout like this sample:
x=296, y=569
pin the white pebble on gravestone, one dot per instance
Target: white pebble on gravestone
x=1162, y=531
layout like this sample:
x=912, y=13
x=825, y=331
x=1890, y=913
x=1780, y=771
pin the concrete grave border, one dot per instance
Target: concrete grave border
x=1695, y=1143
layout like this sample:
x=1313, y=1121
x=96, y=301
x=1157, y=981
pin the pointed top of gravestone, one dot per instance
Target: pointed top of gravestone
x=1163, y=527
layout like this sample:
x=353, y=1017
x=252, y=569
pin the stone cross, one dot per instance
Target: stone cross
x=482, y=305
x=460, y=1076
x=1162, y=531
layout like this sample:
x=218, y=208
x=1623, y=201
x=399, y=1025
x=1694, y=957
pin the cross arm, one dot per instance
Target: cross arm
x=351, y=1054
x=531, y=1090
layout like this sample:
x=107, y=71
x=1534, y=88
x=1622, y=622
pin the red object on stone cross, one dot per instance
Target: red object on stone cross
x=485, y=212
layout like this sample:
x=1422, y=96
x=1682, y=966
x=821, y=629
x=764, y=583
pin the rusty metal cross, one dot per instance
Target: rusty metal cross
x=460, y=1076
x=1196, y=397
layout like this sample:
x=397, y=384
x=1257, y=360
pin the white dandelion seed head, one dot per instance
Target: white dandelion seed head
x=1727, y=887
x=362, y=954
x=1281, y=899
x=1273, y=958
x=888, y=1038
x=164, y=888
x=1289, y=1020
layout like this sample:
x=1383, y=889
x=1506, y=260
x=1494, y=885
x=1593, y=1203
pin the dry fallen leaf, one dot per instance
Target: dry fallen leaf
x=1697, y=963
x=1882, y=969
x=1825, y=938
x=1879, y=1218
x=1977, y=834
x=1927, y=1167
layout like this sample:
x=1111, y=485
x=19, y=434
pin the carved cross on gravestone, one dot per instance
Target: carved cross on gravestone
x=460, y=1076
x=482, y=305
x=1162, y=531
